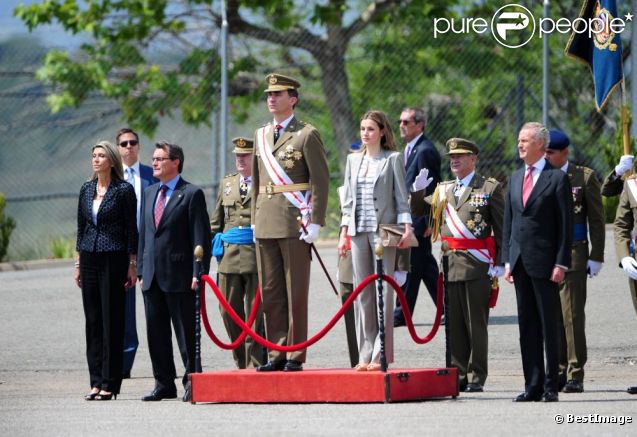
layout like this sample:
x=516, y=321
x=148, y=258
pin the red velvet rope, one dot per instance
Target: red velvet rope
x=237, y=342
x=247, y=330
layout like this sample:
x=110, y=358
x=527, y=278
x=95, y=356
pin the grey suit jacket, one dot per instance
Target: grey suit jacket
x=390, y=192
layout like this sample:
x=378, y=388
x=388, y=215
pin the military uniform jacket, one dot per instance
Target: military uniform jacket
x=587, y=207
x=613, y=184
x=626, y=218
x=481, y=209
x=231, y=212
x=301, y=154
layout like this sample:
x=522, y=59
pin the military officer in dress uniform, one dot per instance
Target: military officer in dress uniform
x=467, y=213
x=290, y=180
x=233, y=246
x=612, y=186
x=588, y=219
x=625, y=225
x=613, y=183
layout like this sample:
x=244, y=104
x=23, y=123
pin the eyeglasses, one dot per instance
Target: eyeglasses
x=133, y=143
x=159, y=159
x=404, y=121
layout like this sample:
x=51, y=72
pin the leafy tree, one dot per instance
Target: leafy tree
x=117, y=61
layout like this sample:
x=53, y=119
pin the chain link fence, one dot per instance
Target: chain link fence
x=469, y=86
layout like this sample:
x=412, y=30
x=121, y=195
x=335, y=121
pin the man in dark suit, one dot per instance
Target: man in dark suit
x=140, y=176
x=536, y=249
x=174, y=221
x=420, y=153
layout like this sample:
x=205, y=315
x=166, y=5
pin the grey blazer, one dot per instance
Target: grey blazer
x=390, y=192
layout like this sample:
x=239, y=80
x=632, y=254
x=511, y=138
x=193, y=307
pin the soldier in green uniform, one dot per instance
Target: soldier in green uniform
x=612, y=186
x=625, y=225
x=233, y=246
x=588, y=224
x=467, y=213
x=291, y=180
x=613, y=183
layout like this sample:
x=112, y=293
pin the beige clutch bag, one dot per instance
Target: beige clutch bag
x=390, y=236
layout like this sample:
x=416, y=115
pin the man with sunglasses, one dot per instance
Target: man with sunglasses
x=420, y=153
x=140, y=176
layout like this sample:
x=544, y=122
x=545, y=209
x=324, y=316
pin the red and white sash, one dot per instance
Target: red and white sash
x=279, y=177
x=459, y=230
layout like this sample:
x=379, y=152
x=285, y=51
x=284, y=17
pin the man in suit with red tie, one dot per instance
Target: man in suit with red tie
x=174, y=221
x=140, y=176
x=536, y=249
x=420, y=153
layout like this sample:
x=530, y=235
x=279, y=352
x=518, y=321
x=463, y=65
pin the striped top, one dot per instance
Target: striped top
x=365, y=210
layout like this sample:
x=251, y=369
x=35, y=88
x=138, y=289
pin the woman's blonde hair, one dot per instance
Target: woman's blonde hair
x=387, y=140
x=117, y=171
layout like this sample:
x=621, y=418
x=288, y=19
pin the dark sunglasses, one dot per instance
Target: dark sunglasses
x=126, y=143
x=404, y=121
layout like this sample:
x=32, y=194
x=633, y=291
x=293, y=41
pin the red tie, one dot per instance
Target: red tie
x=527, y=185
x=161, y=204
x=277, y=132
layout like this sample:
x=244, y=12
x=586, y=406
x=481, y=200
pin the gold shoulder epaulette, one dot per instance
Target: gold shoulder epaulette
x=493, y=181
x=230, y=175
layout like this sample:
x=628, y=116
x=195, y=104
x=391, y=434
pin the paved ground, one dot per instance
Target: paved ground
x=43, y=373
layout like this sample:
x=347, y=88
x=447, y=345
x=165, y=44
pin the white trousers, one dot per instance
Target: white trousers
x=366, y=303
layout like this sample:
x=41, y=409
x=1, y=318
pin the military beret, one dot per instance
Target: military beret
x=558, y=140
x=243, y=145
x=460, y=146
x=279, y=82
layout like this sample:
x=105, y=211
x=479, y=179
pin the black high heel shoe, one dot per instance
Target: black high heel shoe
x=91, y=396
x=105, y=396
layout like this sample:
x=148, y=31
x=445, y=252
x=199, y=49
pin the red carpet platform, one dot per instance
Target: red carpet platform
x=323, y=385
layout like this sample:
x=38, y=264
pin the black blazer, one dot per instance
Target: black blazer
x=116, y=228
x=423, y=155
x=540, y=233
x=166, y=252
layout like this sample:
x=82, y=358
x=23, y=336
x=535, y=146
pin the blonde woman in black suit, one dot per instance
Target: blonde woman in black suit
x=375, y=193
x=106, y=266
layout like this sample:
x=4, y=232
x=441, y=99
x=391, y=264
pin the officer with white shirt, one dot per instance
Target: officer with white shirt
x=139, y=176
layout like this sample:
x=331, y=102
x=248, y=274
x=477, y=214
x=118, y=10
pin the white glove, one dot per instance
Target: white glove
x=630, y=267
x=593, y=268
x=496, y=271
x=422, y=181
x=400, y=277
x=312, y=233
x=625, y=164
x=254, y=239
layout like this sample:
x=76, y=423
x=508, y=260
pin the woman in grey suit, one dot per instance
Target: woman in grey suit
x=375, y=194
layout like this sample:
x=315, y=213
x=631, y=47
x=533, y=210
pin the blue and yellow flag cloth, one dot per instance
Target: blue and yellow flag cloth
x=599, y=47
